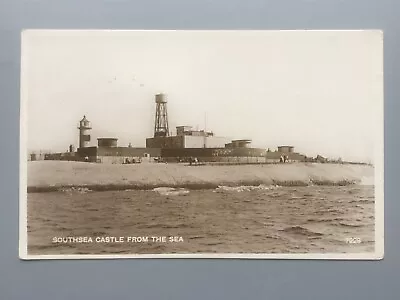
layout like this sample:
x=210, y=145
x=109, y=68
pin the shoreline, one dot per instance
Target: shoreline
x=190, y=186
x=53, y=176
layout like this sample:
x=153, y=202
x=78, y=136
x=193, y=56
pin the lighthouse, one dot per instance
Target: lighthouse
x=84, y=136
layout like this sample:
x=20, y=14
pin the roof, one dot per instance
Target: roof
x=107, y=138
x=242, y=141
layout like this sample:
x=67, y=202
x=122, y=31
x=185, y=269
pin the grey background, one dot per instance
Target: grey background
x=193, y=279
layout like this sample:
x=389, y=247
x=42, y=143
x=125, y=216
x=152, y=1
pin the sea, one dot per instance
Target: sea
x=243, y=219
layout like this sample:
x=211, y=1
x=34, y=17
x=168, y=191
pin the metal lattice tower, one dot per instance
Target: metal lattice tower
x=161, y=121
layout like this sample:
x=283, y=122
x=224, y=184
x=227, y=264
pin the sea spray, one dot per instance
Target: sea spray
x=70, y=190
x=245, y=188
x=168, y=191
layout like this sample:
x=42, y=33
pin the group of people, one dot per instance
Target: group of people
x=193, y=160
x=132, y=161
x=284, y=159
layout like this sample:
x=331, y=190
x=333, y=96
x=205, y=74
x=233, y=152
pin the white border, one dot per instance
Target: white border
x=23, y=236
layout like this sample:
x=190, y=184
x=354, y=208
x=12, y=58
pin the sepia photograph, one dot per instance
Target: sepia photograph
x=255, y=144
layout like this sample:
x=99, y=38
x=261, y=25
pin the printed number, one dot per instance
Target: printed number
x=353, y=240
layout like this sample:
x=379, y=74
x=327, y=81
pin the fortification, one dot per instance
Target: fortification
x=187, y=145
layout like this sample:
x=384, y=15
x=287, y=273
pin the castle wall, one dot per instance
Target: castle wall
x=165, y=142
x=87, y=151
x=204, y=142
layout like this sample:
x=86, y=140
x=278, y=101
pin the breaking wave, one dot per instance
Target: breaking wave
x=183, y=186
x=70, y=190
x=168, y=191
x=246, y=188
x=240, y=186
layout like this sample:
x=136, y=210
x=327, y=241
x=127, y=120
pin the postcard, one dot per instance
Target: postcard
x=201, y=144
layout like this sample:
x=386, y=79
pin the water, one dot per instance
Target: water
x=259, y=219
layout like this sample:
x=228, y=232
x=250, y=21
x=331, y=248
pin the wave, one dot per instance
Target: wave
x=362, y=201
x=168, y=191
x=80, y=190
x=118, y=187
x=246, y=188
x=298, y=230
x=227, y=186
x=349, y=225
x=324, y=220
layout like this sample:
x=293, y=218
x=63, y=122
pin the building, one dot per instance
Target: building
x=107, y=142
x=33, y=156
x=117, y=155
x=188, y=131
x=238, y=144
x=286, y=149
x=108, y=150
x=184, y=146
x=84, y=136
x=187, y=138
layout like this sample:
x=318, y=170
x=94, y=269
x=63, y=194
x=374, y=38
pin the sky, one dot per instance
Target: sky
x=320, y=91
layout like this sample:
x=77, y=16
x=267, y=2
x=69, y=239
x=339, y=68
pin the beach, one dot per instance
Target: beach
x=50, y=175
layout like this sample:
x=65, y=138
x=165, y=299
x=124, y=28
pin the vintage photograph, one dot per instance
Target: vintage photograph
x=201, y=144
